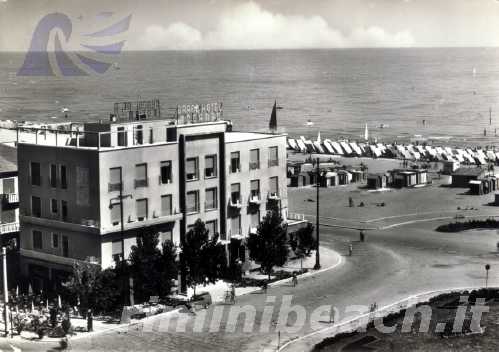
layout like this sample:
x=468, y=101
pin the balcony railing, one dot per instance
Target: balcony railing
x=234, y=168
x=235, y=233
x=255, y=199
x=254, y=165
x=141, y=183
x=235, y=202
x=10, y=227
x=210, y=205
x=166, y=181
x=10, y=198
x=273, y=196
x=274, y=162
x=114, y=187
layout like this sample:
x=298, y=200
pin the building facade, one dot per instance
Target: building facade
x=86, y=194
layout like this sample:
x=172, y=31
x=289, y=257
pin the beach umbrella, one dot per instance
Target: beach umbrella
x=59, y=303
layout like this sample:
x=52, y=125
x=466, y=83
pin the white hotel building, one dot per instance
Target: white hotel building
x=172, y=173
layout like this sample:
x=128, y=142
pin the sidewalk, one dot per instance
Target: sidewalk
x=329, y=260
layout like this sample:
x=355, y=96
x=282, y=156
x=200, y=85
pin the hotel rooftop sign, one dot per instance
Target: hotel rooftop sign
x=197, y=113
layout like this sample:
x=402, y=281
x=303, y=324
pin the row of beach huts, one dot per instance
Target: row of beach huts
x=465, y=156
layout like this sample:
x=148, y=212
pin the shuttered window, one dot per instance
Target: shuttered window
x=141, y=209
x=166, y=205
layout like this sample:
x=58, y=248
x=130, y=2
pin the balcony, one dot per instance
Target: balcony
x=10, y=198
x=165, y=181
x=273, y=163
x=235, y=202
x=255, y=199
x=114, y=187
x=254, y=165
x=236, y=234
x=234, y=168
x=141, y=183
x=273, y=196
x=9, y=228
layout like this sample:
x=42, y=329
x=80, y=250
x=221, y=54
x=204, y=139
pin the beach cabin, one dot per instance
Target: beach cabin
x=292, y=144
x=336, y=147
x=421, y=176
x=344, y=177
x=329, y=179
x=300, y=180
x=491, y=156
x=346, y=148
x=356, y=148
x=462, y=176
x=476, y=187
x=329, y=148
x=375, y=151
x=404, y=178
x=357, y=175
x=376, y=181
x=450, y=166
x=301, y=145
x=318, y=147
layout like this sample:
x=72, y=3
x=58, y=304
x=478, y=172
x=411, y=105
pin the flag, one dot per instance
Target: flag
x=273, y=118
x=319, y=137
x=59, y=303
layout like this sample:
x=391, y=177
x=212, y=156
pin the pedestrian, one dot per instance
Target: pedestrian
x=233, y=293
x=362, y=236
x=350, y=249
x=295, y=280
x=265, y=286
x=90, y=321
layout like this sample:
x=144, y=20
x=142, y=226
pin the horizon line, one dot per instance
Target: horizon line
x=279, y=49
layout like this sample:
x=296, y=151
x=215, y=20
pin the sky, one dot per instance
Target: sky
x=260, y=24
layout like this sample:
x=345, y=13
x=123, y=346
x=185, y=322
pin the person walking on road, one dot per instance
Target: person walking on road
x=295, y=280
x=362, y=236
x=350, y=249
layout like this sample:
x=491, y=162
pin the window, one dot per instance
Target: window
x=254, y=159
x=141, y=209
x=140, y=175
x=166, y=205
x=37, y=240
x=171, y=134
x=210, y=166
x=255, y=189
x=117, y=250
x=8, y=216
x=166, y=236
x=55, y=240
x=9, y=186
x=114, y=179
x=235, y=193
x=64, y=179
x=193, y=202
x=65, y=246
x=53, y=206
x=36, y=207
x=166, y=172
x=53, y=176
x=274, y=186
x=211, y=199
x=139, y=135
x=273, y=157
x=64, y=210
x=234, y=162
x=191, y=169
x=212, y=227
x=35, y=174
x=235, y=225
x=255, y=219
x=122, y=140
x=115, y=213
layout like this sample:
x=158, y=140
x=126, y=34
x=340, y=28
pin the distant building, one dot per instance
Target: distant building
x=462, y=176
x=9, y=213
x=408, y=177
x=169, y=173
x=377, y=181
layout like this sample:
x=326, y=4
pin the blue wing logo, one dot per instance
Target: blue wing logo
x=81, y=63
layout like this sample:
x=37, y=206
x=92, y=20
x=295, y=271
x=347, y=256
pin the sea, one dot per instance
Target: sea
x=446, y=95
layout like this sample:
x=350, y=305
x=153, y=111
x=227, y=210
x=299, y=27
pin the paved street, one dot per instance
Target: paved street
x=391, y=265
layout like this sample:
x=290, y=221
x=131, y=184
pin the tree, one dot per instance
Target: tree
x=269, y=245
x=303, y=241
x=169, y=266
x=145, y=266
x=82, y=283
x=203, y=256
x=109, y=291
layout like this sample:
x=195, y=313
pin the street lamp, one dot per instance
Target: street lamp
x=317, y=265
x=5, y=287
x=487, y=268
